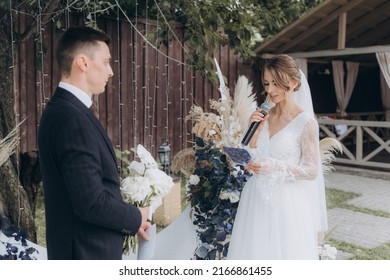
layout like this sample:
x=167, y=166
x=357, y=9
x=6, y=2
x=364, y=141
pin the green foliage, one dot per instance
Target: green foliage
x=125, y=158
x=208, y=24
x=92, y=9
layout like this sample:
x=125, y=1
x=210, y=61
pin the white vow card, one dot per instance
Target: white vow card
x=146, y=248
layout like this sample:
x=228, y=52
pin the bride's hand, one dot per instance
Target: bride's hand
x=253, y=166
x=257, y=116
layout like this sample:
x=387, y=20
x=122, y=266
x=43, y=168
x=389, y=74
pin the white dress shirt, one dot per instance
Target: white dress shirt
x=81, y=95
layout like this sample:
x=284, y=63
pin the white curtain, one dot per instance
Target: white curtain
x=302, y=64
x=384, y=64
x=343, y=93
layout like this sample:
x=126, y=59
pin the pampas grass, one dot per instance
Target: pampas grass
x=328, y=146
x=205, y=125
x=8, y=144
x=244, y=103
x=225, y=127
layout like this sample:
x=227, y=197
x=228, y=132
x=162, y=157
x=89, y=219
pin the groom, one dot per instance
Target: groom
x=86, y=217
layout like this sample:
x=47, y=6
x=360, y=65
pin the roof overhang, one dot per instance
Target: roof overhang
x=335, y=28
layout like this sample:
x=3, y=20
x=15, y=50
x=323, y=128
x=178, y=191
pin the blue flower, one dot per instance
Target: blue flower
x=19, y=249
x=214, y=197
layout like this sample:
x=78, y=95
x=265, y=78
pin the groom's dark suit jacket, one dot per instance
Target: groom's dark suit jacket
x=85, y=215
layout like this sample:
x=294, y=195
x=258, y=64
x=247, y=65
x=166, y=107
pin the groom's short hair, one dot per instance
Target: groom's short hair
x=75, y=40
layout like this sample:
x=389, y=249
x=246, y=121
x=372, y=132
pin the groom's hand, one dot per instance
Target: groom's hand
x=145, y=224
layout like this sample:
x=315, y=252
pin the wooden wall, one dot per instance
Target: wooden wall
x=145, y=101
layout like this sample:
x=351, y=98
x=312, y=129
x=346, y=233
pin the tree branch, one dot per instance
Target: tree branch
x=47, y=12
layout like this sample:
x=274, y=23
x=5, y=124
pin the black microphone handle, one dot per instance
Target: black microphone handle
x=252, y=129
x=248, y=135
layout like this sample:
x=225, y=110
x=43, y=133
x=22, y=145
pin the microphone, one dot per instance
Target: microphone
x=264, y=109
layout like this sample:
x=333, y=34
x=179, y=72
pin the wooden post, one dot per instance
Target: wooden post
x=342, y=31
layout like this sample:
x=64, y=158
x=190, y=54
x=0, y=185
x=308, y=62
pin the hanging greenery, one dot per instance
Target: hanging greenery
x=208, y=24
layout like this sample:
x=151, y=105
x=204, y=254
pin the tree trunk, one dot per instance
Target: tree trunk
x=13, y=197
x=30, y=177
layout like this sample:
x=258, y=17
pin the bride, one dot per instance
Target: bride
x=282, y=208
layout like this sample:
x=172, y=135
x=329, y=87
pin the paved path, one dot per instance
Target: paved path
x=365, y=230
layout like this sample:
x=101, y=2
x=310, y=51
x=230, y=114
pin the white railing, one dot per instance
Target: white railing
x=365, y=143
x=358, y=116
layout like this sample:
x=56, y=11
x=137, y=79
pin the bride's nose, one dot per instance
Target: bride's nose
x=271, y=88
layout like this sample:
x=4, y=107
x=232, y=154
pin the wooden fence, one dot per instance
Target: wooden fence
x=145, y=102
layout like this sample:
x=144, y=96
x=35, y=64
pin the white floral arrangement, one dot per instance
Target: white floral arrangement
x=216, y=182
x=227, y=127
x=327, y=252
x=145, y=186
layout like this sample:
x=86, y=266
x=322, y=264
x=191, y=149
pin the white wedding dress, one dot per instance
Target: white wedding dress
x=277, y=217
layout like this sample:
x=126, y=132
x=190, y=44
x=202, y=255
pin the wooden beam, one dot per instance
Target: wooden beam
x=316, y=11
x=321, y=24
x=343, y=52
x=342, y=31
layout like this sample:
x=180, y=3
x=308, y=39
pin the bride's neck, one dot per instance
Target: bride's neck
x=283, y=108
x=286, y=110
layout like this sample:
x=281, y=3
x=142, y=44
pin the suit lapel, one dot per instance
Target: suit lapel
x=68, y=96
x=99, y=126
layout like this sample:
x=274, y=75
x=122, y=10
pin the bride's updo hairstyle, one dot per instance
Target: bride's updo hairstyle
x=282, y=68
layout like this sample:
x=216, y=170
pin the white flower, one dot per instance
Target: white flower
x=224, y=195
x=147, y=180
x=194, y=179
x=135, y=189
x=327, y=252
x=233, y=196
x=146, y=157
x=146, y=186
x=137, y=167
x=212, y=132
x=236, y=171
x=161, y=182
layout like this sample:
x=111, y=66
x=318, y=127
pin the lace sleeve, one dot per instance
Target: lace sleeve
x=307, y=168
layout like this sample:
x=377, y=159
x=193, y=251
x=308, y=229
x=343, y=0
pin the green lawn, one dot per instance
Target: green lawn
x=338, y=199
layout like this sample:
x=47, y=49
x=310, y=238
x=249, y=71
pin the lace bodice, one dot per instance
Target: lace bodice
x=292, y=153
